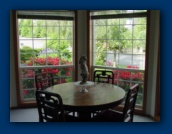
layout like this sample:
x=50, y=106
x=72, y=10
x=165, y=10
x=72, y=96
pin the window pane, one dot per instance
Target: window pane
x=100, y=22
x=139, y=46
x=124, y=20
x=39, y=43
x=52, y=23
x=53, y=32
x=113, y=32
x=44, y=42
x=65, y=32
x=38, y=22
x=54, y=45
x=25, y=43
x=28, y=94
x=100, y=46
x=124, y=60
x=26, y=59
x=125, y=46
x=25, y=31
x=53, y=59
x=139, y=60
x=137, y=76
x=113, y=21
x=100, y=32
x=125, y=32
x=63, y=80
x=67, y=72
x=28, y=83
x=110, y=59
x=99, y=58
x=139, y=20
x=113, y=45
x=124, y=85
x=27, y=73
x=139, y=32
x=65, y=23
x=25, y=22
x=66, y=58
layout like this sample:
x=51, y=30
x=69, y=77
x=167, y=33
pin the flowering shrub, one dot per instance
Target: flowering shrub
x=30, y=73
x=27, y=73
x=128, y=75
x=132, y=67
x=126, y=79
x=53, y=71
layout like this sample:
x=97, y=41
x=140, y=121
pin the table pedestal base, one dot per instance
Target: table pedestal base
x=84, y=116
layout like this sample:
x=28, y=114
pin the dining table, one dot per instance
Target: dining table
x=98, y=97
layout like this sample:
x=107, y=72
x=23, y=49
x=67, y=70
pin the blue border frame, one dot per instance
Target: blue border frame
x=165, y=49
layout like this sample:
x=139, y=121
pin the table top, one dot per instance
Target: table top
x=100, y=96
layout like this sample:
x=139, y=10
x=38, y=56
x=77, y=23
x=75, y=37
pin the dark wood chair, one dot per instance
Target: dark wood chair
x=44, y=80
x=50, y=108
x=128, y=111
x=103, y=76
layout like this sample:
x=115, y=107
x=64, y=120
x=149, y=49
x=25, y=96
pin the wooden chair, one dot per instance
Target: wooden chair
x=103, y=76
x=44, y=80
x=50, y=108
x=128, y=111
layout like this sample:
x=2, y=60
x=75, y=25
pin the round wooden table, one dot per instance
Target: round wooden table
x=100, y=96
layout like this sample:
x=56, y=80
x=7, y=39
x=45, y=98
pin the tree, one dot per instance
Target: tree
x=38, y=30
x=25, y=28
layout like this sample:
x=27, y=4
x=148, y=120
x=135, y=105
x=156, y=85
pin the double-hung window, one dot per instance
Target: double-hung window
x=45, y=43
x=118, y=40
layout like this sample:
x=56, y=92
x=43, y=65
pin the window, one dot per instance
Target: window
x=45, y=44
x=118, y=40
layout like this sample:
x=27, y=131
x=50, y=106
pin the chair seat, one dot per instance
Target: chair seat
x=108, y=116
x=128, y=111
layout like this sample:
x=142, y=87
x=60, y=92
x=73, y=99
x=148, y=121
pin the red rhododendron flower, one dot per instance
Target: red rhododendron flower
x=67, y=73
x=50, y=61
x=25, y=92
x=55, y=71
x=127, y=75
x=63, y=80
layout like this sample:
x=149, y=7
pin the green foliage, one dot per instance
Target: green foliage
x=27, y=52
x=38, y=30
x=117, y=35
x=25, y=28
x=53, y=32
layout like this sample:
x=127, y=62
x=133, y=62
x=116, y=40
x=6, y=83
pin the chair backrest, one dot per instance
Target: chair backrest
x=130, y=103
x=50, y=107
x=44, y=80
x=103, y=76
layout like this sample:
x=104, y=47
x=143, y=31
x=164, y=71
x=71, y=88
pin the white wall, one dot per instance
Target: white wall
x=153, y=55
x=13, y=97
x=82, y=37
x=82, y=47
